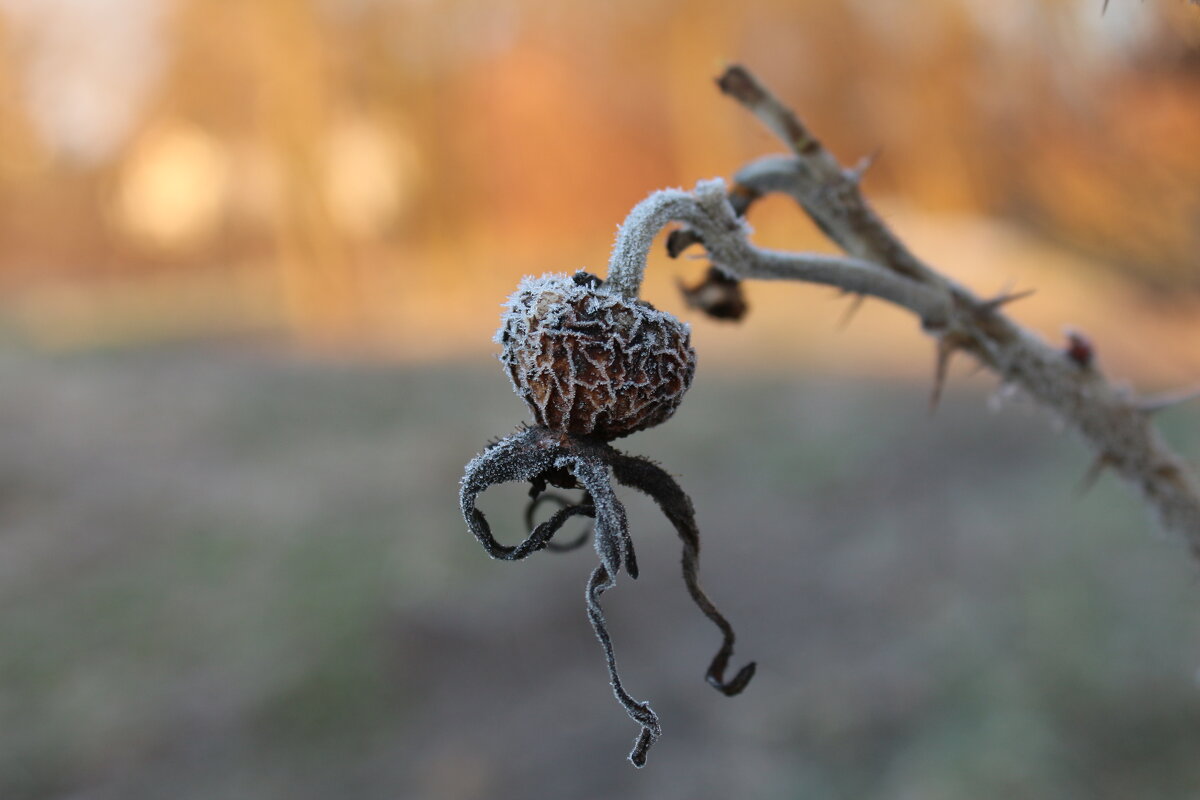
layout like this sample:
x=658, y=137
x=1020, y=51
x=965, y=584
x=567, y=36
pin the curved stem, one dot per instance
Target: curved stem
x=636, y=235
x=707, y=211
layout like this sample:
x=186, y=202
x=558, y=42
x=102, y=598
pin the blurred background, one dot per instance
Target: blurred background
x=251, y=258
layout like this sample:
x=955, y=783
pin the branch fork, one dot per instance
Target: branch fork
x=1115, y=425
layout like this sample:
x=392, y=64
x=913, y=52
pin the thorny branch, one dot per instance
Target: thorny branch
x=1114, y=423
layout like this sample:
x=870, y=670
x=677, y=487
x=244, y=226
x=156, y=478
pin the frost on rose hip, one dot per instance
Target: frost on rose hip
x=590, y=362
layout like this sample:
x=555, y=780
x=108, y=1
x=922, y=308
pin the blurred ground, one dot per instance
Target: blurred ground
x=242, y=575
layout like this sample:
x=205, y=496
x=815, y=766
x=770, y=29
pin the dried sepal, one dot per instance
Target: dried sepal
x=718, y=295
x=653, y=481
x=589, y=362
x=681, y=239
x=641, y=713
x=544, y=457
x=516, y=458
x=539, y=455
x=538, y=498
x=613, y=544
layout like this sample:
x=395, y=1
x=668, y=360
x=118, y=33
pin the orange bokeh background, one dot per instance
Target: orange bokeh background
x=375, y=176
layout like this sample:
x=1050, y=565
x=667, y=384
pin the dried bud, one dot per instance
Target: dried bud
x=718, y=295
x=1079, y=349
x=590, y=362
x=681, y=239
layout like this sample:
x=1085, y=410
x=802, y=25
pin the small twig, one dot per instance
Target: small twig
x=826, y=191
x=707, y=210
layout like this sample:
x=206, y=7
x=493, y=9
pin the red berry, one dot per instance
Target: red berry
x=590, y=362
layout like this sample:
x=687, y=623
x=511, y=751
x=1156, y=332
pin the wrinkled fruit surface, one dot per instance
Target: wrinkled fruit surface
x=589, y=362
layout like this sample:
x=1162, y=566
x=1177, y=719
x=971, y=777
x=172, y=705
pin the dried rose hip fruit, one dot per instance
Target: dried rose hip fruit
x=590, y=362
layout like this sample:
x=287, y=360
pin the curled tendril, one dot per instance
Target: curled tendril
x=539, y=497
x=653, y=481
x=544, y=457
x=640, y=712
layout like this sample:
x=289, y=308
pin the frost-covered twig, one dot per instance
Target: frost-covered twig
x=710, y=216
x=1114, y=423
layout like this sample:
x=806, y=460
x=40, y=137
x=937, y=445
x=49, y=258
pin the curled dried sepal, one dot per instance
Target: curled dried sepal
x=653, y=481
x=531, y=455
x=544, y=457
x=718, y=295
x=539, y=497
x=590, y=362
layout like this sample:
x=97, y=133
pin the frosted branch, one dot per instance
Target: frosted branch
x=1111, y=420
x=710, y=217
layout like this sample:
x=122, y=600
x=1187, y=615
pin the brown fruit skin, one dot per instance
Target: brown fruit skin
x=589, y=362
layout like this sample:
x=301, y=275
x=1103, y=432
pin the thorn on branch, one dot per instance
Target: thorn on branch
x=717, y=295
x=948, y=344
x=855, y=173
x=990, y=306
x=1103, y=461
x=848, y=315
